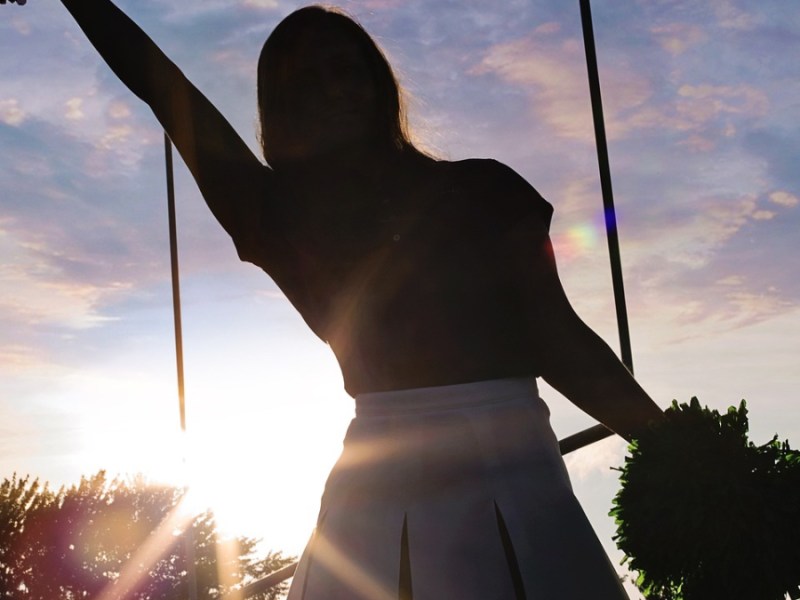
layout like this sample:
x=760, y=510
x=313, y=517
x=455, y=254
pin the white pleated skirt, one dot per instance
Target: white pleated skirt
x=454, y=492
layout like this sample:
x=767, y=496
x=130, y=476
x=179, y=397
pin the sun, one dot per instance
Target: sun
x=257, y=448
x=261, y=470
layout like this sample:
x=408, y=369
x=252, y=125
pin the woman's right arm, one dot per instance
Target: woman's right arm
x=573, y=358
x=232, y=180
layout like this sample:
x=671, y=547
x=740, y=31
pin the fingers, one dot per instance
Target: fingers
x=20, y=2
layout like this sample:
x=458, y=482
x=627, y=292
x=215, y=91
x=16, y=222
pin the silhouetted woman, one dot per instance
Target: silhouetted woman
x=434, y=284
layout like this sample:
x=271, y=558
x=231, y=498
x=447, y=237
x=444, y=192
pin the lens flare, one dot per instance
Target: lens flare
x=578, y=240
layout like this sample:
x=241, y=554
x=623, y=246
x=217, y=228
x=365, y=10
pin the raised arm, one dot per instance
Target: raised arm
x=232, y=180
x=574, y=359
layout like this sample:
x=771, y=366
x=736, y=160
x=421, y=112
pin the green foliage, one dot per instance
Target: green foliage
x=704, y=514
x=75, y=543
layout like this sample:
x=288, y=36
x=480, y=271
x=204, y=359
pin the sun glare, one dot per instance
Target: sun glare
x=257, y=460
x=260, y=466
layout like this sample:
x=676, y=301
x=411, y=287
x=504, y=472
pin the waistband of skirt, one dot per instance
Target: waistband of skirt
x=445, y=397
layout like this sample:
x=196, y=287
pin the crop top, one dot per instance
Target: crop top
x=415, y=288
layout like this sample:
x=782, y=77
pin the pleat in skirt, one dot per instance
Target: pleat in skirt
x=453, y=492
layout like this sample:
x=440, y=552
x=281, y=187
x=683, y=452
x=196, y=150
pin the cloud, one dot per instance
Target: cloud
x=550, y=68
x=382, y=5
x=62, y=223
x=115, y=136
x=730, y=280
x=236, y=61
x=783, y=198
x=38, y=291
x=597, y=459
x=778, y=148
x=715, y=311
x=74, y=109
x=763, y=215
x=702, y=103
x=18, y=357
x=691, y=235
x=118, y=109
x=692, y=304
x=731, y=17
x=676, y=38
x=709, y=263
x=267, y=4
x=11, y=113
x=703, y=112
x=21, y=26
x=546, y=28
x=85, y=247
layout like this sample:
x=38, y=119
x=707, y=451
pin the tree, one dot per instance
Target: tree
x=80, y=541
x=703, y=513
x=18, y=498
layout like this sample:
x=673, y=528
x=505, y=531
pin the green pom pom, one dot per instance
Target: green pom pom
x=703, y=514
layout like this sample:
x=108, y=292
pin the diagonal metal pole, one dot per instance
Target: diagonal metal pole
x=599, y=432
x=605, y=185
x=188, y=538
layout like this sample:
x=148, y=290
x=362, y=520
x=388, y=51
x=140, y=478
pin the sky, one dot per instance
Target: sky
x=701, y=102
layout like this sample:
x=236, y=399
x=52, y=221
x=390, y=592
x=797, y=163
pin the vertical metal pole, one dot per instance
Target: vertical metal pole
x=605, y=185
x=176, y=290
x=188, y=538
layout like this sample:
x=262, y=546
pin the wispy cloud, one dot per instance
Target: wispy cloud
x=676, y=37
x=597, y=460
x=20, y=25
x=731, y=16
x=784, y=198
x=19, y=357
x=73, y=109
x=267, y=4
x=548, y=67
x=10, y=112
x=551, y=69
x=699, y=108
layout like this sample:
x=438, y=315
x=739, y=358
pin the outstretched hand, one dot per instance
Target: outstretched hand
x=20, y=2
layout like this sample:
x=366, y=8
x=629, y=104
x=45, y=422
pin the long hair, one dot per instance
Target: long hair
x=275, y=63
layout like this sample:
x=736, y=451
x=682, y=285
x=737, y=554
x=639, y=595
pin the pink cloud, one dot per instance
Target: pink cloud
x=551, y=69
x=676, y=38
